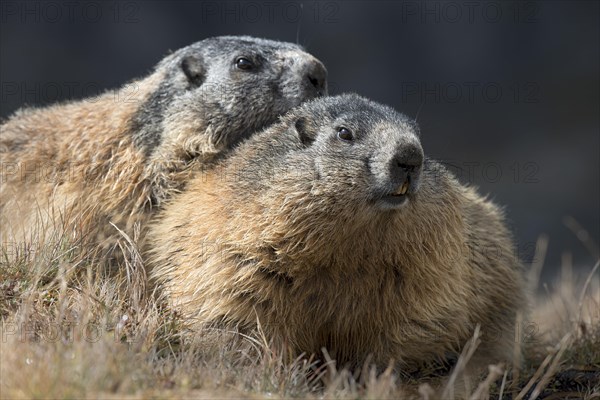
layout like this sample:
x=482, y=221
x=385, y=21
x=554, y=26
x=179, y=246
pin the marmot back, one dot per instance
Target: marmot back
x=76, y=168
x=334, y=231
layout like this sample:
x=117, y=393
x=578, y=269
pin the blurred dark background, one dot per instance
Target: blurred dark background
x=506, y=92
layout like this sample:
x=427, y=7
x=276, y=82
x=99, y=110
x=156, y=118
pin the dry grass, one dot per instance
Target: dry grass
x=72, y=330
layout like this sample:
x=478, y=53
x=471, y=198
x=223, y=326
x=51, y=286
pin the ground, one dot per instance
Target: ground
x=73, y=330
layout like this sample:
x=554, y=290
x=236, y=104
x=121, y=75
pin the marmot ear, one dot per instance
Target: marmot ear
x=302, y=130
x=193, y=68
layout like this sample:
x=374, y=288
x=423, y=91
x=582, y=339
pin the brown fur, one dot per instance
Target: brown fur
x=71, y=168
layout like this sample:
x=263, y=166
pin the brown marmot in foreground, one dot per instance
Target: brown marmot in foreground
x=332, y=230
x=77, y=167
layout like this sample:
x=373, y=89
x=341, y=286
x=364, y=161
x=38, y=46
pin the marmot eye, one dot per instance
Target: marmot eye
x=345, y=134
x=244, y=63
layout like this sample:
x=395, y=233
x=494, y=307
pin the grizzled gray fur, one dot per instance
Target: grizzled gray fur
x=223, y=88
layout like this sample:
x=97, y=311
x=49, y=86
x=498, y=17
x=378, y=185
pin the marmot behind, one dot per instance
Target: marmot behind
x=332, y=230
x=75, y=168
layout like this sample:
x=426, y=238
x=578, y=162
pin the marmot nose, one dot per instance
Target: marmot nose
x=406, y=164
x=316, y=74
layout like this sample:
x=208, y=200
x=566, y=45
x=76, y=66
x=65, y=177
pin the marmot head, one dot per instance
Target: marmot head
x=335, y=153
x=220, y=90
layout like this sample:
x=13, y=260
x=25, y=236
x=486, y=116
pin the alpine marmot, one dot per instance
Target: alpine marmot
x=76, y=168
x=330, y=229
